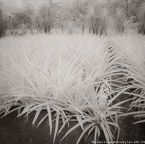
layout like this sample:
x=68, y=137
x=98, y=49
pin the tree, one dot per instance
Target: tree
x=127, y=8
x=2, y=23
x=141, y=18
x=44, y=19
x=97, y=15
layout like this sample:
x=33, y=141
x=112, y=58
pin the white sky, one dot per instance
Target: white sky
x=15, y=5
x=11, y=5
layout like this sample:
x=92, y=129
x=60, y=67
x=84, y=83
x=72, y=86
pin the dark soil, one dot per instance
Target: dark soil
x=19, y=130
x=130, y=132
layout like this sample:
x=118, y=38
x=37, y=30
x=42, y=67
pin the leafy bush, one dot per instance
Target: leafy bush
x=74, y=77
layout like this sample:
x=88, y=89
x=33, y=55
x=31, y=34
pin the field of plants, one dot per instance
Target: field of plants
x=95, y=82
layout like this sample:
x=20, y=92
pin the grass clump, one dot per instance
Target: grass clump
x=76, y=78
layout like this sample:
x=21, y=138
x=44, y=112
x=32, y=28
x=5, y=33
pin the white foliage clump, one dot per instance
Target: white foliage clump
x=79, y=76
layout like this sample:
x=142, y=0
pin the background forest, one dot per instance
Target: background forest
x=80, y=16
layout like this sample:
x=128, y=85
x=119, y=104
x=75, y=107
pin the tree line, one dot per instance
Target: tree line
x=92, y=16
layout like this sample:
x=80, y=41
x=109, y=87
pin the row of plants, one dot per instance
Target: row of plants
x=74, y=78
x=87, y=16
